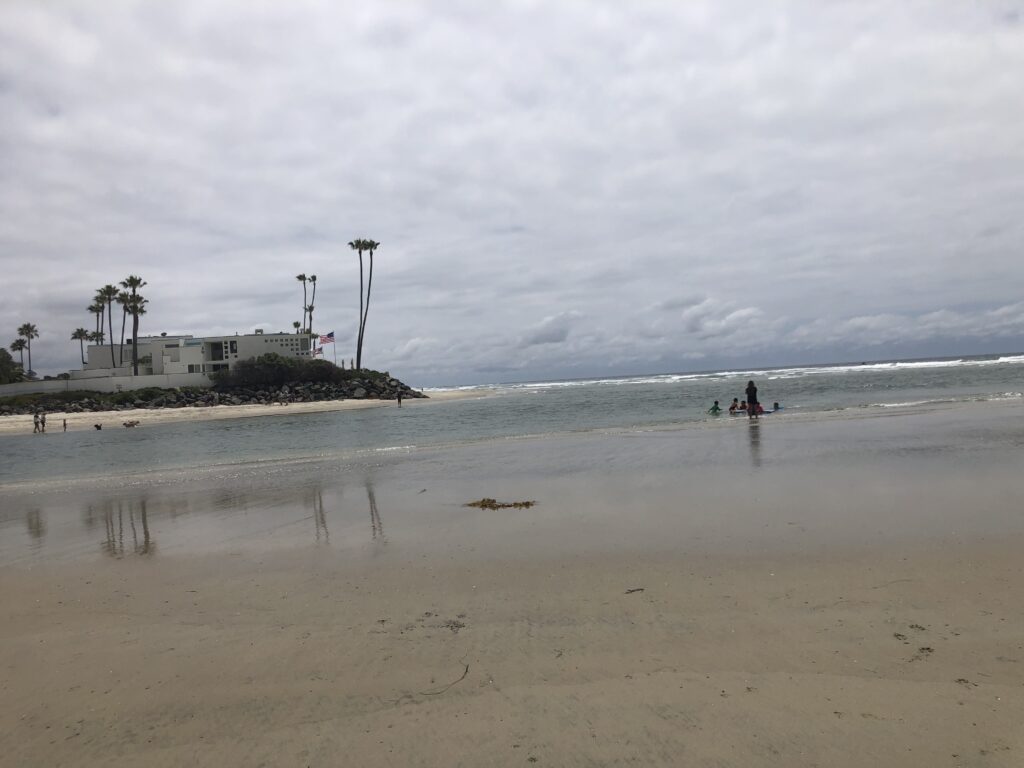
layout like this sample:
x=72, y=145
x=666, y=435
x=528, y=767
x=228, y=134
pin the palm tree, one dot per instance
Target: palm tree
x=28, y=331
x=96, y=337
x=364, y=309
x=97, y=309
x=18, y=345
x=100, y=301
x=108, y=294
x=131, y=284
x=312, y=301
x=302, y=279
x=296, y=326
x=136, y=308
x=81, y=335
x=122, y=299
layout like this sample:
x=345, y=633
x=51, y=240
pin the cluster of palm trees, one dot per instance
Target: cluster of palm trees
x=307, y=309
x=26, y=332
x=361, y=246
x=126, y=295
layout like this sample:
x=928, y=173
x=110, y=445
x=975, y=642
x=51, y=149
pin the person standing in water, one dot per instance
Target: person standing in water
x=751, y=400
x=714, y=410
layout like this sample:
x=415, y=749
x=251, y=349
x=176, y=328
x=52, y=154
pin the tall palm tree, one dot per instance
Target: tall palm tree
x=81, y=335
x=108, y=293
x=122, y=299
x=99, y=301
x=131, y=284
x=364, y=307
x=18, y=345
x=357, y=245
x=312, y=301
x=28, y=331
x=136, y=308
x=302, y=279
x=296, y=326
x=97, y=309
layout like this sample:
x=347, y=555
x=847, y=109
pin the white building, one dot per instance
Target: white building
x=160, y=355
x=168, y=361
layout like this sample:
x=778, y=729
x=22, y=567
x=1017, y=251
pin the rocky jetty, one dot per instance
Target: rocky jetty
x=369, y=388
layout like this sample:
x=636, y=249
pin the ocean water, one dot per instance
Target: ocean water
x=508, y=411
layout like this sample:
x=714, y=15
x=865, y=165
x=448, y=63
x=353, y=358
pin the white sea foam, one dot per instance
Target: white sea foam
x=772, y=374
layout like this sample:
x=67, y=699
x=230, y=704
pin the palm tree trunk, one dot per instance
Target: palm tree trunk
x=29, y=344
x=110, y=312
x=359, y=336
x=81, y=348
x=312, y=303
x=304, y=305
x=120, y=350
x=366, y=312
x=135, y=344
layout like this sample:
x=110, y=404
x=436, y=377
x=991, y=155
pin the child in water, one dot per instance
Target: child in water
x=714, y=410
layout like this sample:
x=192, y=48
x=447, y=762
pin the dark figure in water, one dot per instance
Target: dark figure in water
x=97, y=426
x=399, y=396
x=751, y=400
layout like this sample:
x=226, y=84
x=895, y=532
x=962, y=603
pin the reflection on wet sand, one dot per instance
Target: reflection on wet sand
x=126, y=523
x=36, y=524
x=114, y=526
x=319, y=517
x=375, y=521
x=754, y=432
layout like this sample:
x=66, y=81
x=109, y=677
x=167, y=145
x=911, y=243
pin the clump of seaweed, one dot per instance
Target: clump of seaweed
x=486, y=503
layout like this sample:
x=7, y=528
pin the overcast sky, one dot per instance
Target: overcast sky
x=560, y=188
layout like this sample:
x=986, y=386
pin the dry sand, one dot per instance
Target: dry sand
x=150, y=417
x=913, y=659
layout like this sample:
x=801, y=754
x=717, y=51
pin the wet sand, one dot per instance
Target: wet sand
x=851, y=601
x=22, y=424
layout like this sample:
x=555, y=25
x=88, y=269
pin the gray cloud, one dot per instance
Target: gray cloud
x=700, y=183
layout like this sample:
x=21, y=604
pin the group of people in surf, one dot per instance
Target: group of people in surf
x=751, y=406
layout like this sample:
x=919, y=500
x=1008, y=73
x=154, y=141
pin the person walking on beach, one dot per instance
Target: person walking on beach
x=65, y=425
x=751, y=400
x=42, y=422
x=35, y=422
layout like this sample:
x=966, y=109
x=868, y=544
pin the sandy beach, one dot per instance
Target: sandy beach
x=857, y=604
x=155, y=416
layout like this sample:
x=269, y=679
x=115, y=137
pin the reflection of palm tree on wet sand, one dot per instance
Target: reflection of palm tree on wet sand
x=36, y=524
x=113, y=545
x=320, y=518
x=375, y=522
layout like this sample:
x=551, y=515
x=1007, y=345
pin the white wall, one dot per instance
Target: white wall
x=107, y=384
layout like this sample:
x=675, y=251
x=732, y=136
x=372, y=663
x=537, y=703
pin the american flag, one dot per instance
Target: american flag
x=318, y=351
x=328, y=339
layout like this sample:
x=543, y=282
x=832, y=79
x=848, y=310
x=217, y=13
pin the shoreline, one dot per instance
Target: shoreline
x=22, y=423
